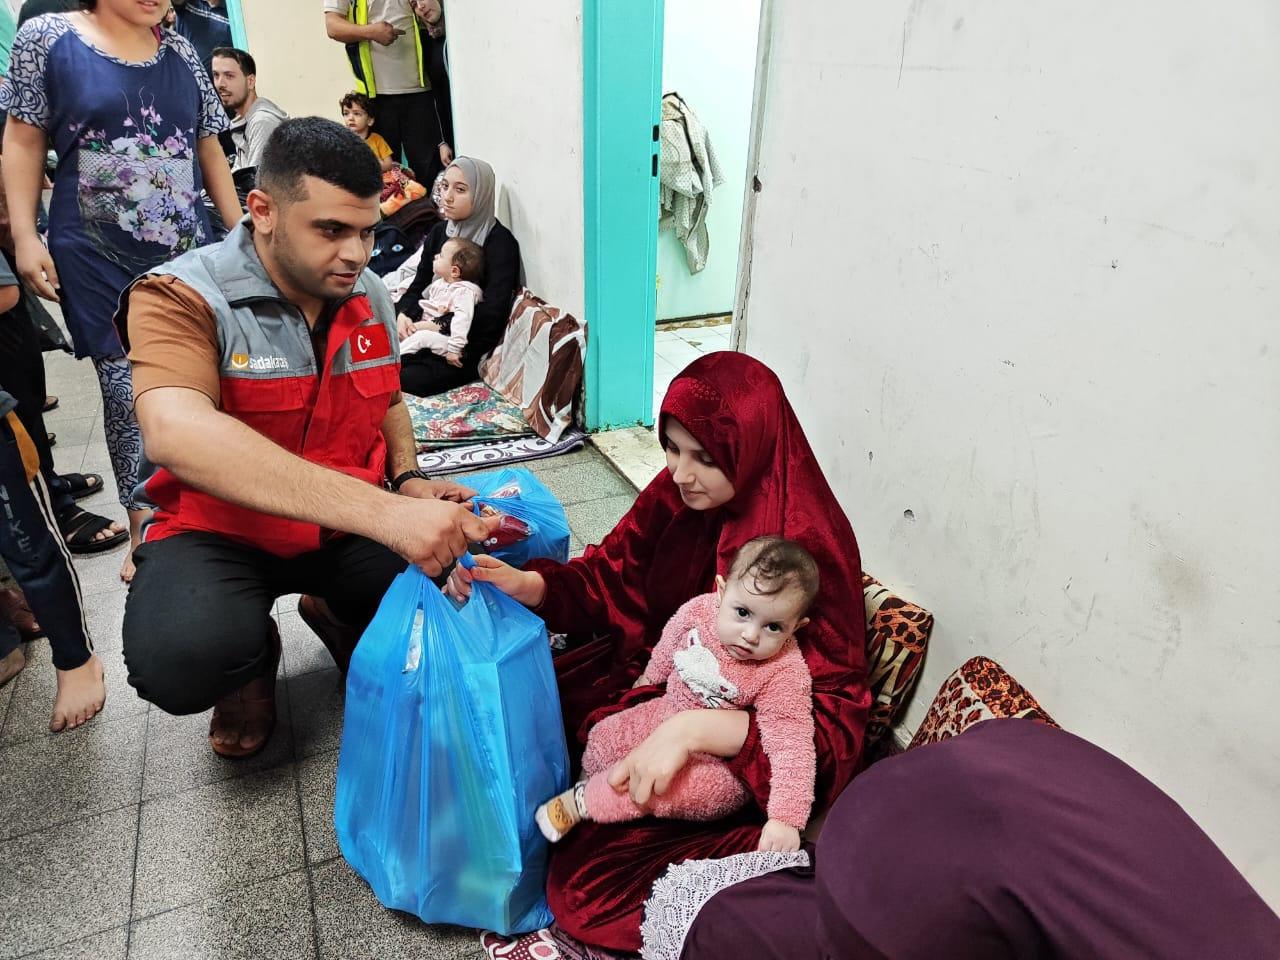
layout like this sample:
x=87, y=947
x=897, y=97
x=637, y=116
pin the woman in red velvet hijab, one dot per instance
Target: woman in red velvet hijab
x=739, y=467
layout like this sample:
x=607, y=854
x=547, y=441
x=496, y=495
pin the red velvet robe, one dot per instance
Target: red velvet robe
x=615, y=599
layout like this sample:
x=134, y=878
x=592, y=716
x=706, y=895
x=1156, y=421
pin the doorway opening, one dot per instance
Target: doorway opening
x=655, y=301
x=708, y=80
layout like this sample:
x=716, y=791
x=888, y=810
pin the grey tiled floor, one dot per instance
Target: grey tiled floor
x=128, y=838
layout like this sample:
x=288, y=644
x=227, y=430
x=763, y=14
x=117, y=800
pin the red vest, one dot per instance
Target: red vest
x=270, y=382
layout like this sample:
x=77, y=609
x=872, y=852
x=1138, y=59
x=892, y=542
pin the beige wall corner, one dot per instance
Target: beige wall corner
x=299, y=67
x=516, y=74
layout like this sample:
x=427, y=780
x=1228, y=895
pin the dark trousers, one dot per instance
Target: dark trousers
x=425, y=374
x=22, y=375
x=408, y=121
x=196, y=624
x=37, y=557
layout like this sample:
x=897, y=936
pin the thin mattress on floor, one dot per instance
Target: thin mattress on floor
x=475, y=413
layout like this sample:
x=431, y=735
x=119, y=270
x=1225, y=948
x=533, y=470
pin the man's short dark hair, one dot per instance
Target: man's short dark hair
x=315, y=147
x=354, y=99
x=468, y=257
x=247, y=65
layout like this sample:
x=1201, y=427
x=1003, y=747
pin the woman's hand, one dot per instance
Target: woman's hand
x=35, y=266
x=429, y=325
x=649, y=768
x=779, y=837
x=523, y=586
x=404, y=326
x=446, y=154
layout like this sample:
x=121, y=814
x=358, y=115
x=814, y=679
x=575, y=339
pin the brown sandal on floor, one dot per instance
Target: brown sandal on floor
x=13, y=607
x=338, y=638
x=248, y=714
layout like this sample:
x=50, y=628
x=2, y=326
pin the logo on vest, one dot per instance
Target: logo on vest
x=242, y=361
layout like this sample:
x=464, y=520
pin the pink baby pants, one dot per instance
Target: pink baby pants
x=704, y=790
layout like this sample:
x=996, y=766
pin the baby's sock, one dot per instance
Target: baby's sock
x=563, y=812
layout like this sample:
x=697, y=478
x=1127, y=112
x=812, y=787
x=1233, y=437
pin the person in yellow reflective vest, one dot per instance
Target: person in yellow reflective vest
x=385, y=46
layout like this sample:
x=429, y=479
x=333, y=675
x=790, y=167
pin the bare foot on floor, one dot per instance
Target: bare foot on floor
x=127, y=569
x=137, y=519
x=12, y=665
x=81, y=694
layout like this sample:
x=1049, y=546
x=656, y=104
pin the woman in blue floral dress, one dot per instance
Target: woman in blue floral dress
x=131, y=113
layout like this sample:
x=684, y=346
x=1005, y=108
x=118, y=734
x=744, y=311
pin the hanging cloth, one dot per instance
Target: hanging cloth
x=690, y=171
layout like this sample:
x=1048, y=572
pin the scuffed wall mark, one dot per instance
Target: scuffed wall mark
x=1008, y=363
x=932, y=255
x=902, y=59
x=1088, y=617
x=966, y=166
x=1219, y=244
x=802, y=364
x=871, y=456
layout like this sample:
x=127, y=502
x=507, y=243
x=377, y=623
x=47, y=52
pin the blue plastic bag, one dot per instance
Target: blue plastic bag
x=519, y=494
x=452, y=737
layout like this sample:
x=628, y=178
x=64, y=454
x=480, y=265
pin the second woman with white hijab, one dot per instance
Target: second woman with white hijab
x=468, y=203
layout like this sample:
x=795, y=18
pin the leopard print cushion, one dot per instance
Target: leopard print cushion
x=979, y=690
x=897, y=634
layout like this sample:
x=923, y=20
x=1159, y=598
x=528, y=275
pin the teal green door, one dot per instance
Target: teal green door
x=622, y=92
x=235, y=13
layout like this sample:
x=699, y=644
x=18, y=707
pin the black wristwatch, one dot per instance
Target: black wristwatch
x=408, y=475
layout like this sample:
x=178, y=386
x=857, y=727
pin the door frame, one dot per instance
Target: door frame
x=622, y=109
x=746, y=241
x=235, y=13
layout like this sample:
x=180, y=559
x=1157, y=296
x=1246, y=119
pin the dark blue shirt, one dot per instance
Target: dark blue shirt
x=206, y=26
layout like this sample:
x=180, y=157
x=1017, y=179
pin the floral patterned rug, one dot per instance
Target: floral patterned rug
x=465, y=415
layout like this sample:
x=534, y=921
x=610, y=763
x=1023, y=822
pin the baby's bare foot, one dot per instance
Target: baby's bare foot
x=81, y=694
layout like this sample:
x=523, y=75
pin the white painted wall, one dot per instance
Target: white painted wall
x=299, y=67
x=516, y=75
x=709, y=58
x=1016, y=264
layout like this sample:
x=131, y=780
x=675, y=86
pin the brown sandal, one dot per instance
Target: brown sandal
x=13, y=607
x=339, y=639
x=248, y=713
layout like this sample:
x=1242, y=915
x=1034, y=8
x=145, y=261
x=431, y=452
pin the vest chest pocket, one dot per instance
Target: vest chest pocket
x=243, y=395
x=376, y=381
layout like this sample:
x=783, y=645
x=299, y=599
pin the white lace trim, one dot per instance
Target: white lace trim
x=680, y=893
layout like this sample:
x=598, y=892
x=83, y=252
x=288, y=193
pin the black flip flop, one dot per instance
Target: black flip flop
x=50, y=403
x=83, y=484
x=53, y=439
x=79, y=527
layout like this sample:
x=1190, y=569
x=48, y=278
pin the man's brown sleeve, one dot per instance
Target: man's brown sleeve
x=173, y=338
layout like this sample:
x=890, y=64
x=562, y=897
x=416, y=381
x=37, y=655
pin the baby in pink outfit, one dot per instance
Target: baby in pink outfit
x=459, y=270
x=731, y=649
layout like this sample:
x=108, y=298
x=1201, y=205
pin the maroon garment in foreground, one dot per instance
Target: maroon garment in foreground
x=1013, y=841
x=661, y=554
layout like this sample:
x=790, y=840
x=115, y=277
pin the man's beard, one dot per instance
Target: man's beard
x=299, y=275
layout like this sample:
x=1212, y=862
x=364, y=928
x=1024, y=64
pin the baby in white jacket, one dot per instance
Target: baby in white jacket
x=458, y=270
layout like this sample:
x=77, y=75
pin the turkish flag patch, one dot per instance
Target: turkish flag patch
x=369, y=343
